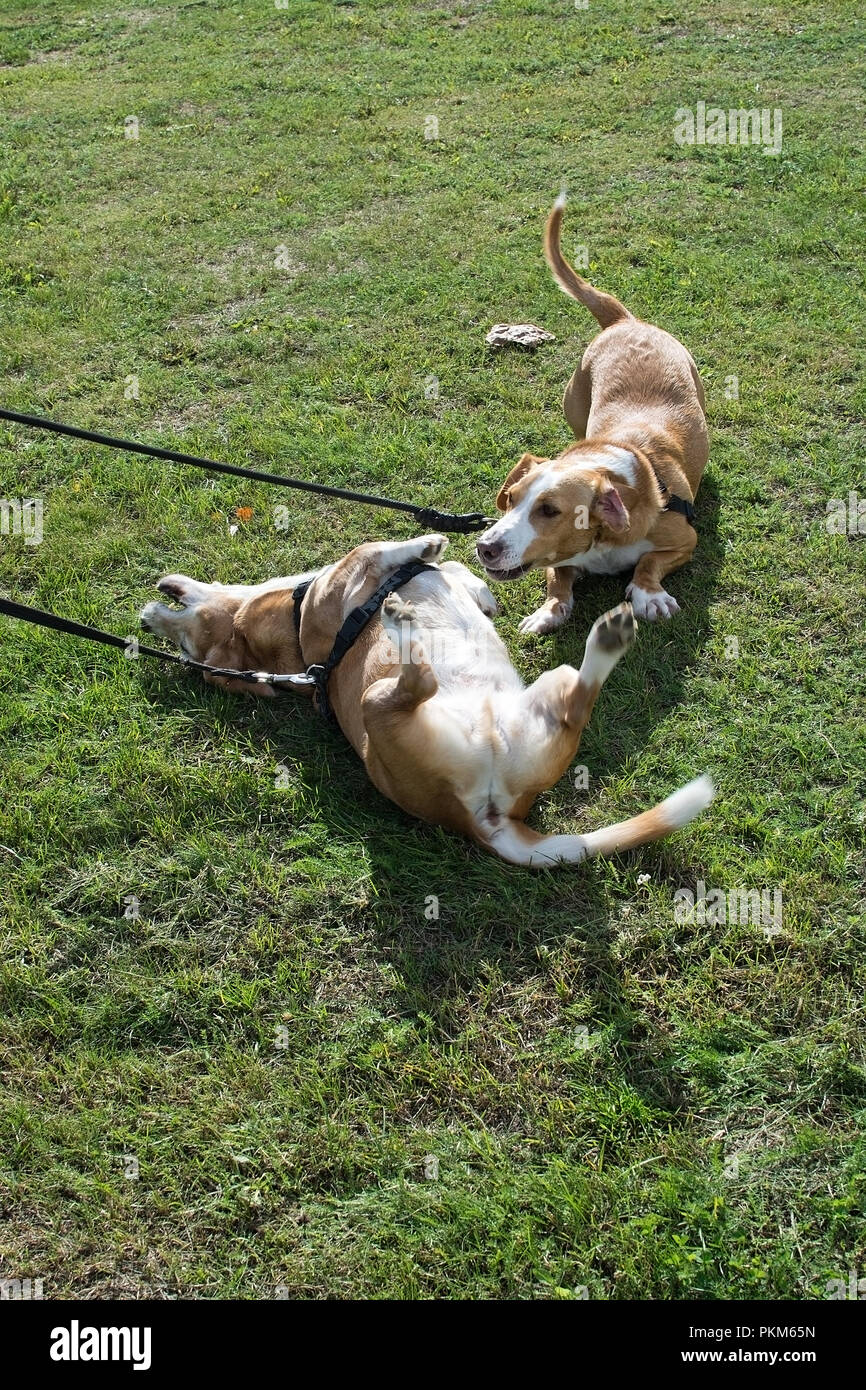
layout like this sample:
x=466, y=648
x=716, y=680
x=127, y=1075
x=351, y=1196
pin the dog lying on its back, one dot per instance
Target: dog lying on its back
x=427, y=695
x=620, y=496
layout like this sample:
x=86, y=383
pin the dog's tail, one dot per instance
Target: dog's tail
x=515, y=842
x=672, y=813
x=605, y=308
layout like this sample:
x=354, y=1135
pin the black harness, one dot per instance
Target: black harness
x=319, y=674
x=673, y=503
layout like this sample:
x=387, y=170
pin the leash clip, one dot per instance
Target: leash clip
x=461, y=524
x=302, y=679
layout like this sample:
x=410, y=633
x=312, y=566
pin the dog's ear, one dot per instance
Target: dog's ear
x=518, y=471
x=609, y=508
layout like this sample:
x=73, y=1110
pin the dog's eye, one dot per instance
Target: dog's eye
x=548, y=509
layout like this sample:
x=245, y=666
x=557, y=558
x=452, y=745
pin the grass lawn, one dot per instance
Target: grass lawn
x=238, y=1060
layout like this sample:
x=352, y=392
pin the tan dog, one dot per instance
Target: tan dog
x=427, y=695
x=636, y=406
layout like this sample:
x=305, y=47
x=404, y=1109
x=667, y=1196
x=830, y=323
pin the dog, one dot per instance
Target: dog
x=621, y=496
x=426, y=695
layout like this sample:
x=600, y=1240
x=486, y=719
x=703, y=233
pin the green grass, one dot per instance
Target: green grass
x=708, y=1142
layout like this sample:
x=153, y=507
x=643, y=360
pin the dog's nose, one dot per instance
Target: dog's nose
x=489, y=551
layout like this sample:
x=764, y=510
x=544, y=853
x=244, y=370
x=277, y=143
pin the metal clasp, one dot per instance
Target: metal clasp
x=303, y=680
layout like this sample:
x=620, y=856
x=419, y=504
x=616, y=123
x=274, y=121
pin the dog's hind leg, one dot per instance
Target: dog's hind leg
x=569, y=695
x=577, y=401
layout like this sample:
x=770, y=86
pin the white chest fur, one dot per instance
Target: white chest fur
x=607, y=559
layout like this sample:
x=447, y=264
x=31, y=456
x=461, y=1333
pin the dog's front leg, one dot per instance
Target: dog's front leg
x=645, y=591
x=557, y=609
x=416, y=681
x=368, y=564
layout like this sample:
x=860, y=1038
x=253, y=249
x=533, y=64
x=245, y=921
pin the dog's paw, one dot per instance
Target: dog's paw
x=401, y=634
x=397, y=610
x=609, y=638
x=614, y=632
x=651, y=606
x=546, y=619
x=434, y=548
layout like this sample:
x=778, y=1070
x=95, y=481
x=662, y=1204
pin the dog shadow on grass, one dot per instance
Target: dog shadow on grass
x=465, y=934
x=461, y=931
x=526, y=943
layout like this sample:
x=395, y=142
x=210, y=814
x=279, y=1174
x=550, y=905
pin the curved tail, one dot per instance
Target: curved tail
x=605, y=308
x=672, y=813
x=518, y=844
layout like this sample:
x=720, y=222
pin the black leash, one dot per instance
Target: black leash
x=40, y=618
x=460, y=523
x=316, y=676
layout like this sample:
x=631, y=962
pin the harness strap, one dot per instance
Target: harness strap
x=298, y=595
x=681, y=505
x=674, y=503
x=352, y=627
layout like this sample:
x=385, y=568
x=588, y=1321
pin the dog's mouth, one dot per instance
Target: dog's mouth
x=500, y=576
